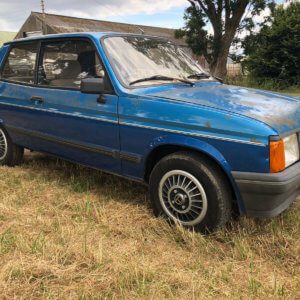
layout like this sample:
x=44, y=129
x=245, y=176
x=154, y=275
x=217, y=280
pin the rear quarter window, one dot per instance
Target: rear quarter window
x=20, y=63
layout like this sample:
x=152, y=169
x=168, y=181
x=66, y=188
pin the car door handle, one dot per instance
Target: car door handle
x=37, y=99
x=101, y=99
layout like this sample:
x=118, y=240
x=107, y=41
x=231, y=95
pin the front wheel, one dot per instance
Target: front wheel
x=189, y=190
x=10, y=153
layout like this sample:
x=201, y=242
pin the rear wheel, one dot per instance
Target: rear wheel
x=10, y=154
x=187, y=189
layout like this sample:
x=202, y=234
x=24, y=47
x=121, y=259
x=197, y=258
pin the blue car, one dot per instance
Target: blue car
x=138, y=106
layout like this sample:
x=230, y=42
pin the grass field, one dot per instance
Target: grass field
x=71, y=232
x=6, y=36
x=268, y=85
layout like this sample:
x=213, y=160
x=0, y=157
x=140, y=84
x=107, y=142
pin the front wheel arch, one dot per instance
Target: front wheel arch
x=199, y=148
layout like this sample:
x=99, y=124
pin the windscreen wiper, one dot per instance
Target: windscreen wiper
x=162, y=77
x=204, y=75
x=198, y=76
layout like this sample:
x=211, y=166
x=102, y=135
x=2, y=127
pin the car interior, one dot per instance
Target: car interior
x=63, y=64
x=66, y=69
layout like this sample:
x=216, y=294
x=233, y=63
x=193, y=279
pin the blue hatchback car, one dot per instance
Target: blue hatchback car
x=138, y=106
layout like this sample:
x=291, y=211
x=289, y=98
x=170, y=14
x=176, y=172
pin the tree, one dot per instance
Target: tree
x=227, y=18
x=274, y=52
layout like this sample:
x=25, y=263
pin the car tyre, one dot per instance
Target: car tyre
x=188, y=189
x=10, y=154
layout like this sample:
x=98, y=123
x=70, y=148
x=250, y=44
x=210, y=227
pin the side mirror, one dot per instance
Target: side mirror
x=92, y=85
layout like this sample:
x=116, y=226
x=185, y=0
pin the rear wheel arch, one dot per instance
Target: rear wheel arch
x=12, y=154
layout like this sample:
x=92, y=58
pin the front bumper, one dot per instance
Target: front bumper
x=268, y=194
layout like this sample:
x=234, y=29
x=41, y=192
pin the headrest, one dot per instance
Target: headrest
x=70, y=69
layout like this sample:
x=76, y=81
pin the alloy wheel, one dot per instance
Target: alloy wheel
x=182, y=197
x=3, y=145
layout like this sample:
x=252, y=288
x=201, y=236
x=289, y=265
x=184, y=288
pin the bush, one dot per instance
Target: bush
x=273, y=53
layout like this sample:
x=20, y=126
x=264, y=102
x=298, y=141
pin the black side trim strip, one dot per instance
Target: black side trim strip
x=130, y=157
x=86, y=147
x=49, y=138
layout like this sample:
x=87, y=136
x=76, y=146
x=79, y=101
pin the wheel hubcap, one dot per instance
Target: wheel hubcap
x=182, y=197
x=3, y=145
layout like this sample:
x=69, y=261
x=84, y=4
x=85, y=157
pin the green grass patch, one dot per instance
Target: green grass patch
x=6, y=36
x=271, y=85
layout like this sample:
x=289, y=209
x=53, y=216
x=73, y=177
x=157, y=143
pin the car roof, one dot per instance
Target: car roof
x=97, y=35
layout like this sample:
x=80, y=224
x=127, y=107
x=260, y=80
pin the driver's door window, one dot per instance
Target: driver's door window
x=64, y=63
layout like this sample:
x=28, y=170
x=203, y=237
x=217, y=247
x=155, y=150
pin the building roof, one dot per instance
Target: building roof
x=64, y=24
x=97, y=35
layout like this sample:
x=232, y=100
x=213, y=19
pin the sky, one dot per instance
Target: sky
x=163, y=13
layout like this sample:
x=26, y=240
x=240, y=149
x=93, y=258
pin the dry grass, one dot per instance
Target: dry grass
x=71, y=232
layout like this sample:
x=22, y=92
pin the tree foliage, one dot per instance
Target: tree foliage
x=212, y=25
x=274, y=52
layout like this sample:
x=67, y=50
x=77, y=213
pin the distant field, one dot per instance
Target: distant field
x=295, y=92
x=248, y=82
x=6, y=36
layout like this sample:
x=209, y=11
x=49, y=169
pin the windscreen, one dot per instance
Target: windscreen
x=134, y=58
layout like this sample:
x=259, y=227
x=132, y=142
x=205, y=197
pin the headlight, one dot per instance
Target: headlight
x=283, y=153
x=291, y=149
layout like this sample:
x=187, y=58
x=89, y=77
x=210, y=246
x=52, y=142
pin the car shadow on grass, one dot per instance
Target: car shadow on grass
x=81, y=179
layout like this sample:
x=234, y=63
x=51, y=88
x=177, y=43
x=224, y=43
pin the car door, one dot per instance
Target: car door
x=17, y=109
x=76, y=126
x=49, y=113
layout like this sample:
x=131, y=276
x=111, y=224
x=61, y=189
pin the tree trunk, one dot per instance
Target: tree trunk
x=218, y=67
